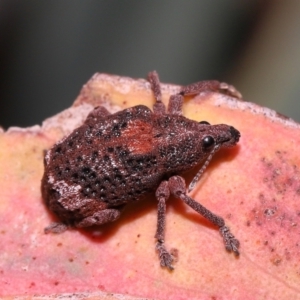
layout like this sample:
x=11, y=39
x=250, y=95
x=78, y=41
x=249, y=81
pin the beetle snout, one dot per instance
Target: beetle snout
x=232, y=137
x=235, y=134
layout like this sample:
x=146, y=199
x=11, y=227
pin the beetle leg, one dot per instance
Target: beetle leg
x=56, y=227
x=98, y=113
x=175, y=105
x=210, y=85
x=162, y=194
x=178, y=189
x=100, y=217
x=158, y=107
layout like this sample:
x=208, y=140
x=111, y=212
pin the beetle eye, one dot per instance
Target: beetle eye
x=204, y=122
x=208, y=142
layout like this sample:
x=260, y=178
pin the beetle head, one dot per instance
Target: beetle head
x=214, y=137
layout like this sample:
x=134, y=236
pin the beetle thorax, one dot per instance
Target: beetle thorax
x=179, y=143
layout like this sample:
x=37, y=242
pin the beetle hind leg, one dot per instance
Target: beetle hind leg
x=56, y=227
x=97, y=114
x=100, y=217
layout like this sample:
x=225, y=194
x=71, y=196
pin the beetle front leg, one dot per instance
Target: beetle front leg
x=178, y=189
x=176, y=101
x=162, y=194
x=210, y=85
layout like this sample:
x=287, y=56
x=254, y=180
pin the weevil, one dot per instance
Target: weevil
x=115, y=159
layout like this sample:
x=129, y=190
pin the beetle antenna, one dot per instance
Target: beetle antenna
x=203, y=168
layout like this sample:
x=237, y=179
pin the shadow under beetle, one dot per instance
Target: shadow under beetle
x=115, y=159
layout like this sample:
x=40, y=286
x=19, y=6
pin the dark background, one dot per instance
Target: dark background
x=49, y=49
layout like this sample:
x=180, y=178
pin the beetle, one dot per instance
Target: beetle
x=115, y=159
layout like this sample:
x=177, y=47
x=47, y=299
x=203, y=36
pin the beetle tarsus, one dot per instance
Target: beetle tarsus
x=231, y=243
x=165, y=257
x=56, y=227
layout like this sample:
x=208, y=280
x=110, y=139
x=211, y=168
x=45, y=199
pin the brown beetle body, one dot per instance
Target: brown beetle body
x=114, y=159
